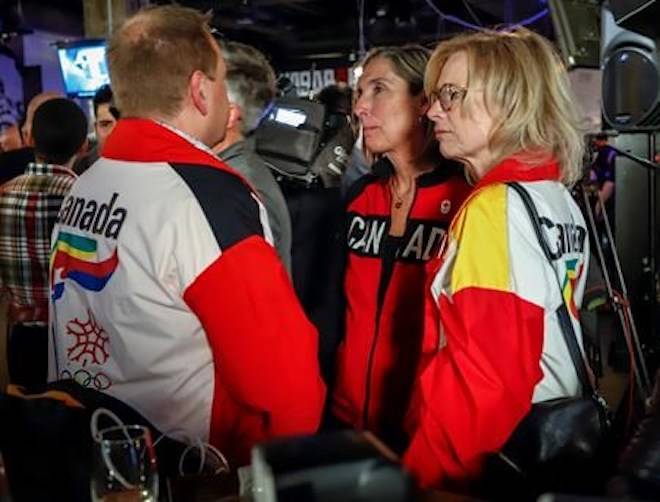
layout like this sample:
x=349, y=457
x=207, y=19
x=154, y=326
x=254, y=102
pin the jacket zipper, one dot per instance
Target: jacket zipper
x=370, y=362
x=383, y=284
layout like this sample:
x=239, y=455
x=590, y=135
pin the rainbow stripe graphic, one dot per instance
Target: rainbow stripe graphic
x=570, y=280
x=74, y=257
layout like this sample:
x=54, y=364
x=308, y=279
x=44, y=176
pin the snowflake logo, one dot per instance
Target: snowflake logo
x=91, y=341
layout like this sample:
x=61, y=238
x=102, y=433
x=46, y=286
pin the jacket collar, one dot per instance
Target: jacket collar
x=512, y=169
x=142, y=140
x=40, y=169
x=231, y=152
x=383, y=169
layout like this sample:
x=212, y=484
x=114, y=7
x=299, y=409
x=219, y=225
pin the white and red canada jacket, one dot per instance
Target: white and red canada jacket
x=492, y=342
x=167, y=296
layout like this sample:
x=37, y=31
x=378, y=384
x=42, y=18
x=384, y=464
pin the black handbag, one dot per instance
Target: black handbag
x=561, y=444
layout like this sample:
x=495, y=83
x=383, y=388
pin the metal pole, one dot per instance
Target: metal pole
x=108, y=10
x=641, y=374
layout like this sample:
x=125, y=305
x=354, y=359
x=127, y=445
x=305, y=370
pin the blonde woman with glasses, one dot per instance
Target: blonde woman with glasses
x=501, y=106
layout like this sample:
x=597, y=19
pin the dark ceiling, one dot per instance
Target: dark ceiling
x=298, y=34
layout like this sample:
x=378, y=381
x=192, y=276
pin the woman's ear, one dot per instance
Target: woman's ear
x=424, y=105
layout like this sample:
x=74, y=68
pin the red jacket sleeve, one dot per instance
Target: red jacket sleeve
x=264, y=348
x=477, y=388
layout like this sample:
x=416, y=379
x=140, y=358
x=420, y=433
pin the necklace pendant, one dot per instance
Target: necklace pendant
x=398, y=204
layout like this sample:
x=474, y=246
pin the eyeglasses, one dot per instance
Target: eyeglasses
x=447, y=95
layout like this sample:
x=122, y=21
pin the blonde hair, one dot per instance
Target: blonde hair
x=409, y=62
x=153, y=55
x=527, y=91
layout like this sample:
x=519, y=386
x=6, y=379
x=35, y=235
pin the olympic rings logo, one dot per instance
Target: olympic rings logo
x=99, y=381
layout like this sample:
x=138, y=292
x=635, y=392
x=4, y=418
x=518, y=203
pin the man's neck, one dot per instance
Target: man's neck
x=181, y=122
x=232, y=137
x=69, y=165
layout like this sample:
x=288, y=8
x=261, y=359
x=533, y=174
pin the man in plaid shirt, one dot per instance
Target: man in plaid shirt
x=29, y=205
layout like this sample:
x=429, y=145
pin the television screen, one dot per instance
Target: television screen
x=84, y=67
x=288, y=116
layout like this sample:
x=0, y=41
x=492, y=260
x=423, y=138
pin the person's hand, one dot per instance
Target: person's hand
x=598, y=212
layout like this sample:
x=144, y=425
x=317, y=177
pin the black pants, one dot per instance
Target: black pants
x=27, y=355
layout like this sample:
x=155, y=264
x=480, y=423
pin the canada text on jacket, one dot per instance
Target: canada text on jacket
x=101, y=218
x=564, y=238
x=420, y=242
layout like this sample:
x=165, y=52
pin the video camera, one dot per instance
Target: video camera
x=303, y=141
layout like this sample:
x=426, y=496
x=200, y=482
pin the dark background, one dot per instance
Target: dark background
x=295, y=32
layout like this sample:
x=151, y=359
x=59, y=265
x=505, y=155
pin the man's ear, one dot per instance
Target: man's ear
x=198, y=92
x=27, y=137
x=235, y=116
x=84, y=148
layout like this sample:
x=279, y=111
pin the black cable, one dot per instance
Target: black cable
x=361, y=41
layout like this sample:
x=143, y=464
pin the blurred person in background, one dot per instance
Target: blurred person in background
x=250, y=88
x=106, y=116
x=602, y=173
x=13, y=162
x=395, y=220
x=29, y=205
x=13, y=157
x=602, y=176
x=501, y=105
x=10, y=136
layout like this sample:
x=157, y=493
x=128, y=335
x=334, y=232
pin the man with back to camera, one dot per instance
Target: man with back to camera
x=106, y=116
x=35, y=102
x=165, y=291
x=14, y=162
x=29, y=204
x=250, y=87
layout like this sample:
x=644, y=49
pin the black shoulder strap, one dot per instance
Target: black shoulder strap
x=562, y=312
